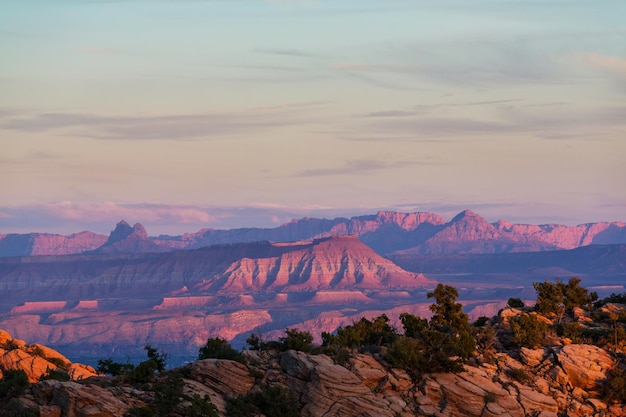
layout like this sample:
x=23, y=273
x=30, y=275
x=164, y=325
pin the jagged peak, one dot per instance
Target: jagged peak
x=123, y=230
x=140, y=231
x=467, y=214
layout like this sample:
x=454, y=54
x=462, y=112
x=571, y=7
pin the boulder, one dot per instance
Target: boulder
x=226, y=377
x=585, y=365
x=78, y=400
x=34, y=366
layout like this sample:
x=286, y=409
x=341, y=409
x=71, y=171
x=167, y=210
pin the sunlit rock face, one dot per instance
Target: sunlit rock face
x=37, y=360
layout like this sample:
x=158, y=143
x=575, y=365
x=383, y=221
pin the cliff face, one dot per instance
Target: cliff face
x=364, y=386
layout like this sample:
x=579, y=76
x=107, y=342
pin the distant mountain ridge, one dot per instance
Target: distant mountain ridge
x=244, y=268
x=387, y=232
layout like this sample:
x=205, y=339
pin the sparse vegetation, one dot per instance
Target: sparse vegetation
x=528, y=331
x=13, y=383
x=297, y=340
x=271, y=402
x=518, y=374
x=141, y=373
x=515, y=303
x=614, y=388
x=218, y=348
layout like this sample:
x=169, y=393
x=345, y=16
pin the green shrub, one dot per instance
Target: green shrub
x=528, y=331
x=297, y=340
x=515, y=303
x=406, y=353
x=13, y=383
x=15, y=408
x=159, y=357
x=218, y=348
x=201, y=407
x=253, y=342
x=144, y=372
x=56, y=375
x=139, y=412
x=57, y=361
x=168, y=394
x=271, y=402
x=365, y=333
x=481, y=321
x=519, y=375
x=108, y=367
x=614, y=388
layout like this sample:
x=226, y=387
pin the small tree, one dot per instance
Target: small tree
x=159, y=357
x=109, y=367
x=297, y=340
x=614, y=388
x=13, y=383
x=218, y=348
x=448, y=315
x=528, y=331
x=515, y=303
x=254, y=342
x=413, y=325
x=549, y=297
x=168, y=394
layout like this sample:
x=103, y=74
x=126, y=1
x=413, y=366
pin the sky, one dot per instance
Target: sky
x=189, y=114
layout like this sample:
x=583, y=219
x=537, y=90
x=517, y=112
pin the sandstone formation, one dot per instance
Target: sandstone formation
x=37, y=360
x=363, y=386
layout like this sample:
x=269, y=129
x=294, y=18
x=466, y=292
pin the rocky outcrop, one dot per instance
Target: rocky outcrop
x=365, y=385
x=585, y=365
x=70, y=399
x=37, y=360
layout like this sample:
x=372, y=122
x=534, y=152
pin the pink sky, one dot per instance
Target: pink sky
x=183, y=115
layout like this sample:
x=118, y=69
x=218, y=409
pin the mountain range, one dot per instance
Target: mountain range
x=386, y=232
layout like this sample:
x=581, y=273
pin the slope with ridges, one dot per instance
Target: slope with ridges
x=329, y=263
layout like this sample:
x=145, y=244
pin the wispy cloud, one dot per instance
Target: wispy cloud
x=158, y=127
x=287, y=52
x=356, y=167
x=159, y=218
x=612, y=63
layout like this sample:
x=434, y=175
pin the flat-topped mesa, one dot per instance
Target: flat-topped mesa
x=337, y=262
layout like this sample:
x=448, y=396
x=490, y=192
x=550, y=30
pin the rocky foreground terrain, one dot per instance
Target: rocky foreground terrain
x=560, y=379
